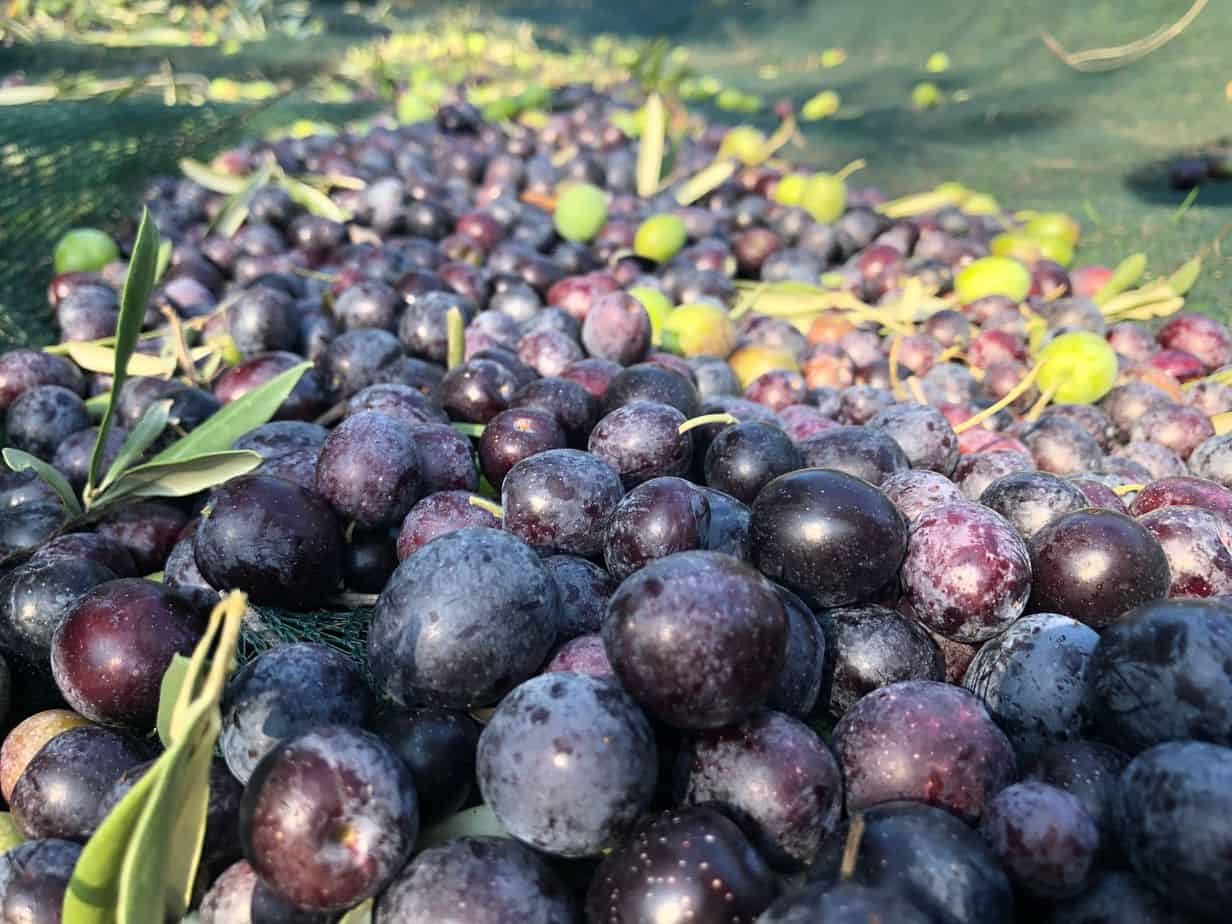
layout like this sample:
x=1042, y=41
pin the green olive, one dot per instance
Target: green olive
x=85, y=250
x=825, y=197
x=580, y=212
x=660, y=238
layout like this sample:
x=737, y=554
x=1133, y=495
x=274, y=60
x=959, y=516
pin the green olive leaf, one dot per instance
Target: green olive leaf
x=141, y=888
x=138, y=283
x=211, y=179
x=165, y=251
x=233, y=420
x=140, y=864
x=97, y=405
x=169, y=694
x=188, y=829
x=456, y=331
x=235, y=210
x=360, y=914
x=19, y=461
x=180, y=477
x=91, y=894
x=96, y=357
x=479, y=821
x=1127, y=273
x=1183, y=279
x=705, y=181
x=651, y=147
x=468, y=429
x=313, y=199
x=139, y=440
x=10, y=834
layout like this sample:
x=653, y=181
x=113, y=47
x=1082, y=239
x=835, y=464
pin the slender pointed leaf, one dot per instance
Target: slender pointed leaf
x=188, y=829
x=233, y=420
x=650, y=149
x=10, y=834
x=91, y=894
x=1127, y=273
x=360, y=914
x=479, y=821
x=235, y=209
x=140, y=891
x=94, y=357
x=19, y=461
x=211, y=179
x=137, y=285
x=706, y=180
x=1183, y=279
x=97, y=405
x=312, y=199
x=164, y=260
x=180, y=477
x=139, y=440
x=169, y=694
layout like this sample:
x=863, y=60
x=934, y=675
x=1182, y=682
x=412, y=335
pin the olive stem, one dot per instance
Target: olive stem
x=1123, y=489
x=851, y=850
x=1010, y=397
x=706, y=419
x=857, y=164
x=1038, y=407
x=484, y=504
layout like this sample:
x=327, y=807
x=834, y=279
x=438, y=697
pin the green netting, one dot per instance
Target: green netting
x=1017, y=122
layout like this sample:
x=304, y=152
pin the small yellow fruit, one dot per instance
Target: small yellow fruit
x=790, y=189
x=823, y=104
x=992, y=276
x=1053, y=224
x=699, y=329
x=752, y=361
x=825, y=197
x=745, y=143
x=657, y=306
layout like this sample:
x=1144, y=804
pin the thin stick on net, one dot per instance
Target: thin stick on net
x=1107, y=59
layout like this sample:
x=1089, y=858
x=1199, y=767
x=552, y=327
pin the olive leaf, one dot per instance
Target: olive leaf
x=19, y=461
x=179, y=477
x=479, y=821
x=456, y=333
x=140, y=864
x=235, y=210
x=313, y=199
x=650, y=148
x=236, y=418
x=211, y=179
x=10, y=834
x=91, y=894
x=140, y=889
x=96, y=406
x=94, y=357
x=360, y=914
x=705, y=181
x=1127, y=273
x=169, y=693
x=137, y=285
x=139, y=440
x=468, y=429
x=165, y=251
x=1183, y=279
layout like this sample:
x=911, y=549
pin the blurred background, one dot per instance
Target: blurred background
x=97, y=96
